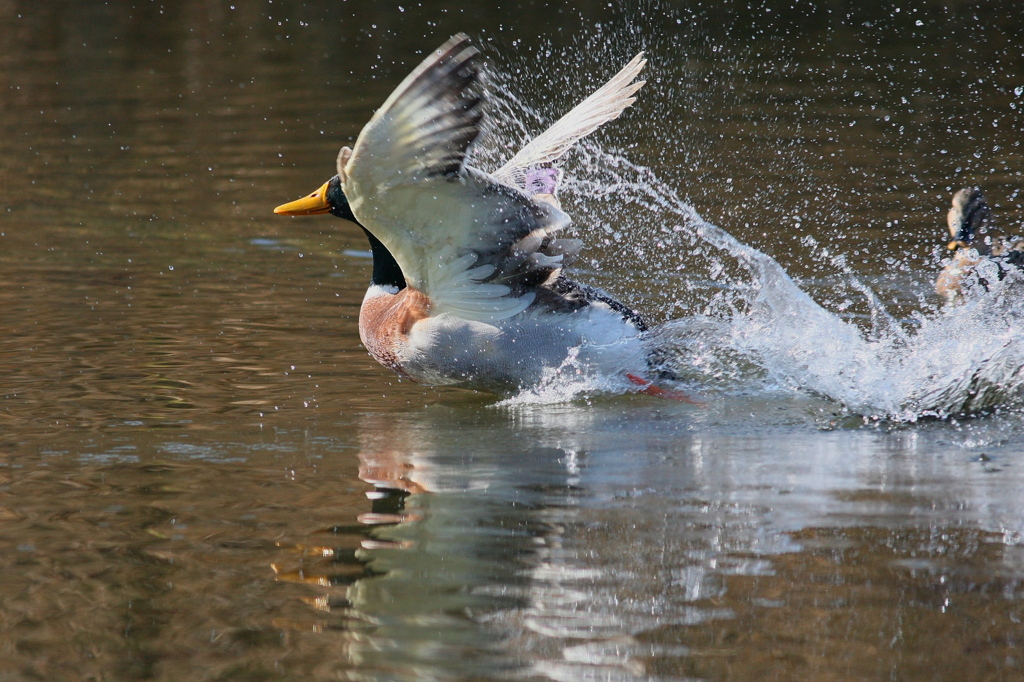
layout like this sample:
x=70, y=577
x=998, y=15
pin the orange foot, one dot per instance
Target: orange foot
x=651, y=389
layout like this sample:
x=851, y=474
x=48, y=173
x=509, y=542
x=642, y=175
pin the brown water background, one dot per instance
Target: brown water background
x=204, y=476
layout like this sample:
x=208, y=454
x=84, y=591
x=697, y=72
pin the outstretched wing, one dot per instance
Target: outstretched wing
x=427, y=124
x=606, y=104
x=476, y=247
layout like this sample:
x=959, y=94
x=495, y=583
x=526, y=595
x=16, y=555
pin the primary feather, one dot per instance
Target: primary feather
x=604, y=105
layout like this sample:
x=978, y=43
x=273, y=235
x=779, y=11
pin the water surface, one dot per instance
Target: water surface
x=204, y=476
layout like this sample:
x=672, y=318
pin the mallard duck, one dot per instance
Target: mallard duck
x=467, y=287
x=978, y=257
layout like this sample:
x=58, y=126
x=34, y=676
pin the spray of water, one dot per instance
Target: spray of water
x=734, y=320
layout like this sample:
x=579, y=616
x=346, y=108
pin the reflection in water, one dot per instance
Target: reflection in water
x=491, y=547
x=637, y=550
x=629, y=539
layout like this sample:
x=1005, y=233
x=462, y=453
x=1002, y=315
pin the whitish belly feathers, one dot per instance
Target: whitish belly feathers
x=400, y=334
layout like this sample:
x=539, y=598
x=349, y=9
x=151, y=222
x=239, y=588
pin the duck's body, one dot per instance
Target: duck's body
x=979, y=259
x=499, y=357
x=397, y=327
x=468, y=287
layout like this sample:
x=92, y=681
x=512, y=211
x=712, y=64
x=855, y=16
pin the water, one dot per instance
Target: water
x=204, y=476
x=959, y=360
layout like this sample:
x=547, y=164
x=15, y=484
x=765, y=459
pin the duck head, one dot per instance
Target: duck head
x=330, y=198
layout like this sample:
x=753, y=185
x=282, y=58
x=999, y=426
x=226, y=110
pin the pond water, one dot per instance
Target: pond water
x=203, y=475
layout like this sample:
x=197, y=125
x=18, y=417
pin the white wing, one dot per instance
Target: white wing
x=606, y=104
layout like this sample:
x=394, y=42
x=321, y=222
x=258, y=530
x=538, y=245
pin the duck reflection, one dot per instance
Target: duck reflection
x=487, y=551
x=457, y=544
x=619, y=542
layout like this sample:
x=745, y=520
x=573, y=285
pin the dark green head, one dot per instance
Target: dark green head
x=330, y=198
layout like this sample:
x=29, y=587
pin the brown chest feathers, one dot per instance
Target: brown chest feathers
x=385, y=322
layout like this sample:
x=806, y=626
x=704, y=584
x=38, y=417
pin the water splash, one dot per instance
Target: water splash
x=752, y=327
x=965, y=359
x=735, y=320
x=962, y=360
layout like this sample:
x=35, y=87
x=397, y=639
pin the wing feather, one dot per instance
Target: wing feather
x=478, y=248
x=604, y=105
x=427, y=124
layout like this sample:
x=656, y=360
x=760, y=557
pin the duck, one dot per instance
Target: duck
x=467, y=287
x=977, y=257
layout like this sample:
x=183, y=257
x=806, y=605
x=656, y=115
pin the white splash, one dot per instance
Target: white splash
x=750, y=327
x=962, y=360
